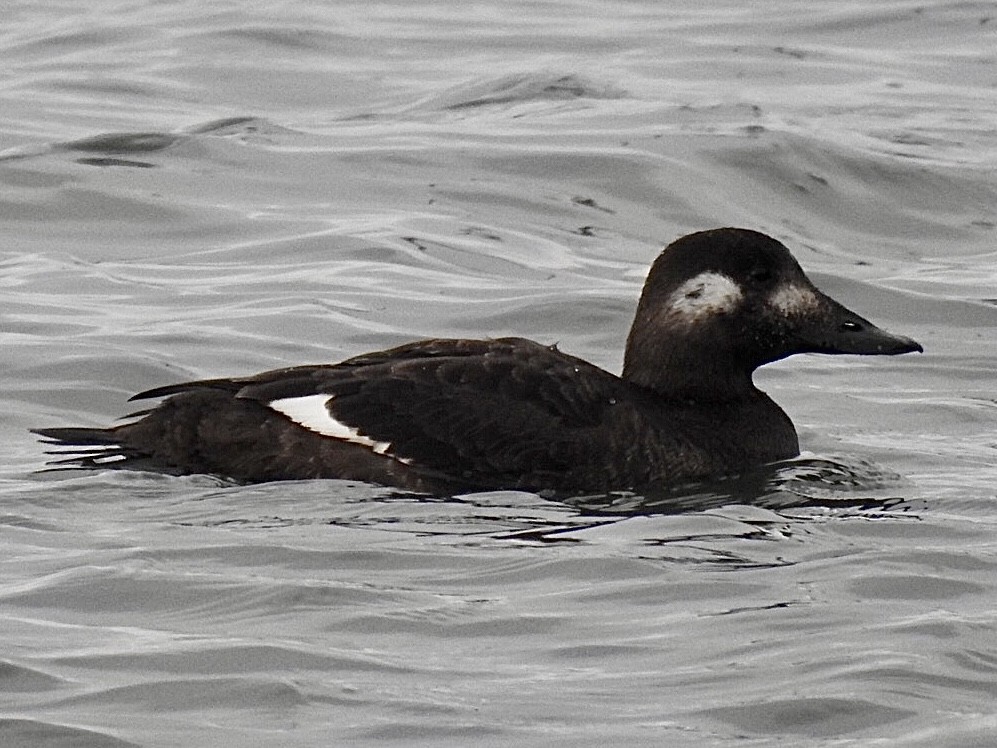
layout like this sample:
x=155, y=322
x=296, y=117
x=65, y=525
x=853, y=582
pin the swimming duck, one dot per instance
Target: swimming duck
x=447, y=415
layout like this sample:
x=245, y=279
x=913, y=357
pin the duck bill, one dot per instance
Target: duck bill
x=837, y=329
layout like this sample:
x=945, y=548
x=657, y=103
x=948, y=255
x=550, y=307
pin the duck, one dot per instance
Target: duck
x=442, y=416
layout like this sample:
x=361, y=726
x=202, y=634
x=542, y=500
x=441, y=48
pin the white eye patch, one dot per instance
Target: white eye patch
x=705, y=294
x=312, y=412
x=790, y=300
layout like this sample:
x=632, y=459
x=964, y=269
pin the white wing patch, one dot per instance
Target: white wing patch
x=791, y=300
x=312, y=412
x=707, y=293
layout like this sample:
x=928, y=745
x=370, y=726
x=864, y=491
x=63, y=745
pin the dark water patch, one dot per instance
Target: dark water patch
x=406, y=731
x=34, y=732
x=115, y=162
x=113, y=146
x=951, y=560
x=27, y=522
x=72, y=43
x=291, y=38
x=816, y=717
x=197, y=694
x=152, y=142
x=121, y=143
x=910, y=587
x=976, y=660
x=17, y=678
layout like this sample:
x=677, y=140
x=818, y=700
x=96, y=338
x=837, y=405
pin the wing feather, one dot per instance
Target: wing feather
x=493, y=408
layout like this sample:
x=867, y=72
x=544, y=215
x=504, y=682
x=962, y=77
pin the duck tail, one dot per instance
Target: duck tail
x=100, y=448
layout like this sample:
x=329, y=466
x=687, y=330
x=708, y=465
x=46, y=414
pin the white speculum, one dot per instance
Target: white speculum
x=312, y=412
x=707, y=293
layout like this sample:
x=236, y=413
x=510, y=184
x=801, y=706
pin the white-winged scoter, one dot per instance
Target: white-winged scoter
x=444, y=415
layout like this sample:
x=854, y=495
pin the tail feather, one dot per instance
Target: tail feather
x=98, y=449
x=76, y=436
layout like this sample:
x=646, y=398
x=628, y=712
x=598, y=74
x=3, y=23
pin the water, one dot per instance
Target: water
x=207, y=189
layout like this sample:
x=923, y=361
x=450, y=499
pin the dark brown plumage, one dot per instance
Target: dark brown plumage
x=448, y=415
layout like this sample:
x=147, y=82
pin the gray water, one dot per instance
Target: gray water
x=208, y=189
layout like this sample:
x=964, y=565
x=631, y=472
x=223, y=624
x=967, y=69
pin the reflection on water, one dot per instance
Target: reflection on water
x=801, y=482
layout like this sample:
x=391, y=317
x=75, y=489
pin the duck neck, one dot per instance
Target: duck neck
x=690, y=372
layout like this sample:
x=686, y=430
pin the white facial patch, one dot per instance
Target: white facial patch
x=312, y=412
x=707, y=293
x=791, y=300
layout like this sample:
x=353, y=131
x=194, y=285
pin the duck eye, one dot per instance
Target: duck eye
x=761, y=275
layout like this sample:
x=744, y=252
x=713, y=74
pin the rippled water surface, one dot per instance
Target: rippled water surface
x=207, y=189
